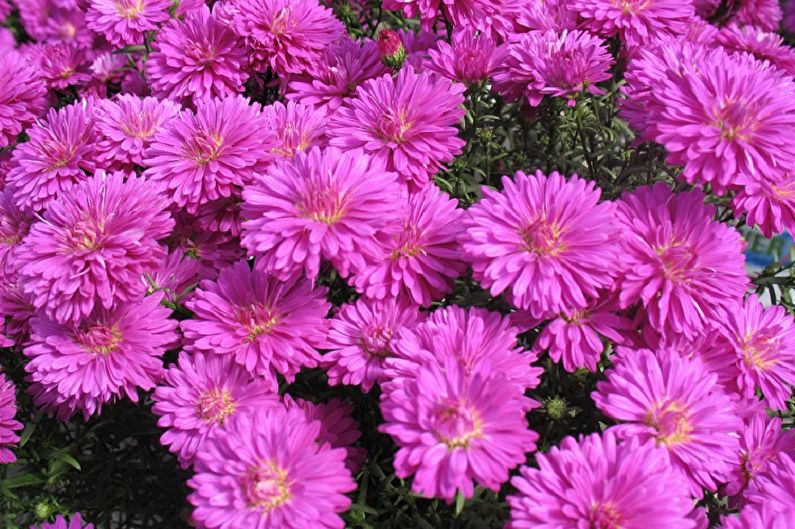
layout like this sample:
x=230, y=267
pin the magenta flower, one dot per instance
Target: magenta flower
x=176, y=274
x=407, y=122
x=22, y=96
x=682, y=265
x=60, y=65
x=761, y=44
x=75, y=522
x=323, y=204
x=199, y=396
x=360, y=340
x=775, y=489
x=54, y=21
x=599, y=482
x=14, y=227
x=197, y=59
x=636, y=22
x=268, y=325
x=61, y=149
x=8, y=426
x=94, y=246
x=677, y=403
x=288, y=36
x=125, y=22
x=204, y=156
x=546, y=14
x=221, y=216
x=211, y=250
x=759, y=517
x=764, y=14
x=126, y=126
x=336, y=74
x=455, y=428
x=768, y=201
x=278, y=479
x=469, y=58
x=547, y=238
x=110, y=354
x=419, y=262
x=16, y=306
x=492, y=17
x=297, y=128
x=789, y=16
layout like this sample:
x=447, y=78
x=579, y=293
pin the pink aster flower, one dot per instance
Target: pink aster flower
x=22, y=96
x=199, y=396
x=127, y=124
x=125, y=22
x=204, y=156
x=220, y=216
x=93, y=246
x=789, y=16
x=492, y=17
x=764, y=14
x=680, y=263
x=297, y=127
x=775, y=489
x=755, y=350
x=759, y=517
x=110, y=354
x=455, y=428
x=323, y=204
x=60, y=65
x=287, y=35
x=61, y=149
x=175, y=276
x=726, y=116
x=469, y=58
x=336, y=74
x=278, y=479
x=16, y=306
x=636, y=22
x=360, y=339
x=761, y=44
x=677, y=403
x=546, y=14
x=596, y=482
x=546, y=238
x=547, y=63
x=268, y=325
x=211, y=250
x=768, y=201
x=8, y=426
x=199, y=58
x=14, y=227
x=54, y=21
x=420, y=261
x=74, y=522
x=407, y=122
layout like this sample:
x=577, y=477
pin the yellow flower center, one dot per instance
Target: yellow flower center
x=267, y=487
x=216, y=405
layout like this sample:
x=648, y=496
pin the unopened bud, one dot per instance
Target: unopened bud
x=391, y=48
x=556, y=408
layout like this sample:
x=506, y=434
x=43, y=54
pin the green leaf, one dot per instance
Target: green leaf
x=25, y=480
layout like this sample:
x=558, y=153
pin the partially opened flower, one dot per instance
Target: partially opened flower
x=675, y=402
x=545, y=239
x=212, y=250
x=600, y=482
x=16, y=306
x=492, y=17
x=73, y=522
x=407, y=122
x=297, y=127
x=200, y=395
x=764, y=14
x=8, y=425
x=109, y=355
x=280, y=478
x=775, y=488
x=267, y=325
x=94, y=246
x=15, y=224
x=546, y=14
x=54, y=21
x=768, y=201
x=322, y=204
x=125, y=22
x=22, y=96
x=761, y=44
x=468, y=58
x=174, y=277
x=61, y=65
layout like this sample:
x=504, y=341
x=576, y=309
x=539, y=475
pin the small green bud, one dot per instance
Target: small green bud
x=556, y=408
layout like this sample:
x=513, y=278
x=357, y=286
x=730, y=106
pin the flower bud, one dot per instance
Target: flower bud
x=391, y=49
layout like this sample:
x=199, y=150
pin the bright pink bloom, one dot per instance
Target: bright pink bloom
x=280, y=478
x=221, y=216
x=125, y=22
x=212, y=250
x=761, y=44
x=75, y=522
x=16, y=306
x=22, y=96
x=60, y=65
x=768, y=202
x=8, y=426
x=547, y=240
x=599, y=482
x=14, y=227
x=297, y=127
x=764, y=14
x=54, y=21
x=268, y=325
x=176, y=274
x=775, y=489
x=546, y=14
x=492, y=17
x=199, y=396
x=469, y=58
x=407, y=122
x=759, y=517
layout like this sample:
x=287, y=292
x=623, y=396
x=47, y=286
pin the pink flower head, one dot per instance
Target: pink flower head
x=126, y=126
x=280, y=478
x=61, y=149
x=125, y=22
x=110, y=354
x=297, y=127
x=93, y=247
x=492, y=17
x=677, y=403
x=768, y=202
x=636, y=22
x=775, y=489
x=547, y=63
x=221, y=216
x=211, y=250
x=288, y=36
x=390, y=47
x=455, y=428
x=755, y=350
x=204, y=156
x=75, y=522
x=600, y=482
x=764, y=14
x=407, y=122
x=726, y=116
x=789, y=16
x=546, y=238
x=8, y=426
x=336, y=74
x=14, y=227
x=360, y=340
x=469, y=58
x=680, y=263
x=200, y=395
x=61, y=65
x=16, y=306
x=176, y=274
x=323, y=204
x=54, y=21
x=761, y=44
x=198, y=58
x=759, y=517
x=546, y=14
x=420, y=261
x=22, y=96
x=268, y=325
